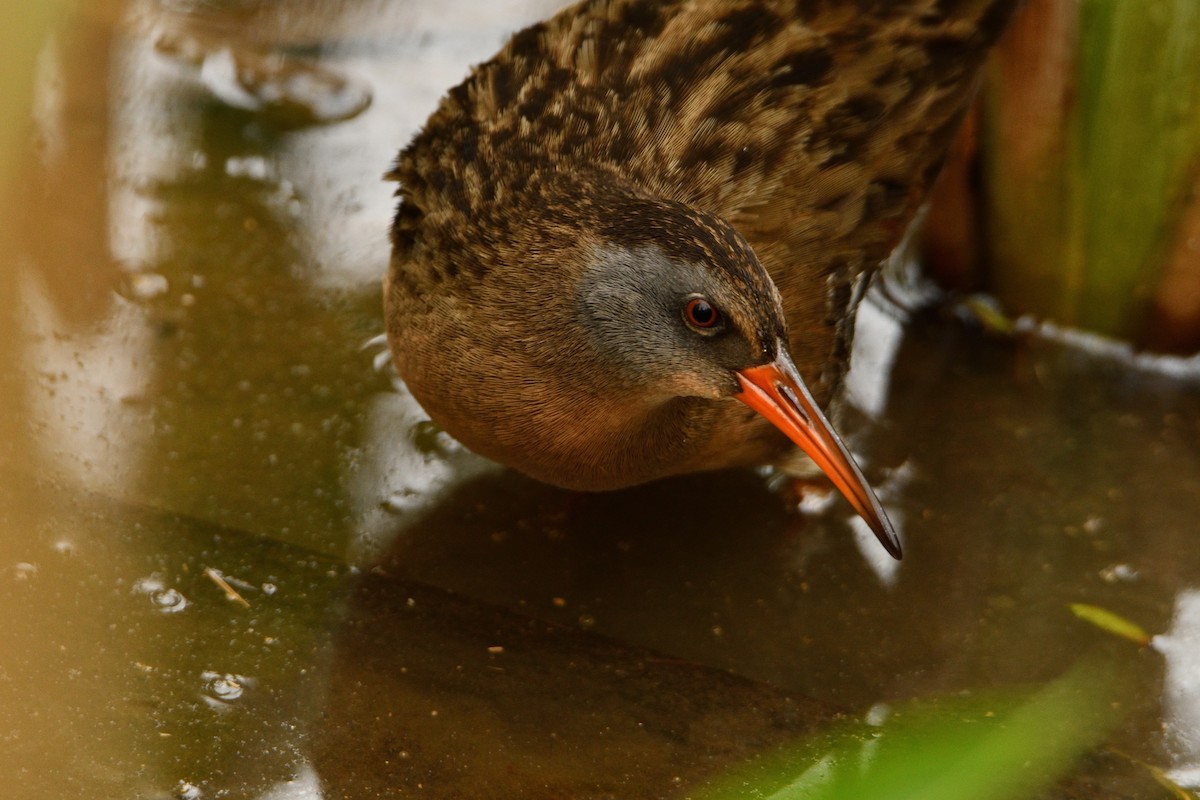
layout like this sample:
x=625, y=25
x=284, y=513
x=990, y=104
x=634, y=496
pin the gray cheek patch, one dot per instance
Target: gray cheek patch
x=626, y=299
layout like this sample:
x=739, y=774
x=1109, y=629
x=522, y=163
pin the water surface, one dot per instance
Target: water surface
x=187, y=402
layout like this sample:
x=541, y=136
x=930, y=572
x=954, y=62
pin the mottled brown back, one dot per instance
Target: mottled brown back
x=814, y=128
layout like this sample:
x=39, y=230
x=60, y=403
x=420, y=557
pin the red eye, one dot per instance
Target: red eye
x=700, y=313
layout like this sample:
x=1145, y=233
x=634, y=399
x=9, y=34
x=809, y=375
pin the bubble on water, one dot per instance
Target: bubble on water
x=169, y=601
x=253, y=167
x=878, y=714
x=431, y=440
x=400, y=501
x=165, y=599
x=24, y=571
x=221, y=690
x=226, y=688
x=142, y=286
x=151, y=583
x=1119, y=573
x=187, y=791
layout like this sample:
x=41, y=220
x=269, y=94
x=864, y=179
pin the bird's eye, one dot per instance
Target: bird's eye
x=701, y=314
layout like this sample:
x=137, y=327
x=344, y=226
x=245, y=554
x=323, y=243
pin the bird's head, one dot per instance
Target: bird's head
x=677, y=304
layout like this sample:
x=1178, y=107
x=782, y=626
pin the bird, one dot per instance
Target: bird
x=632, y=243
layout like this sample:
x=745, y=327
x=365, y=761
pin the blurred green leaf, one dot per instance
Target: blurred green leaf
x=983, y=749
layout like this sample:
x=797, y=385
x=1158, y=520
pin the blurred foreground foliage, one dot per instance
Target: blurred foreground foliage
x=984, y=748
x=1075, y=194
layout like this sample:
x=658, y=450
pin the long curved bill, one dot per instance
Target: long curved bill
x=777, y=391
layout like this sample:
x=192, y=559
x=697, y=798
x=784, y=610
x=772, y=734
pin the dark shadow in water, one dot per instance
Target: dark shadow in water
x=438, y=695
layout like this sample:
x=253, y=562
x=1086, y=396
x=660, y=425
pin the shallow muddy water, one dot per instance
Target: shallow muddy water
x=236, y=561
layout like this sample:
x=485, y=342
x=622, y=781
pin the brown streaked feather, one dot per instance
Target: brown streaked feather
x=814, y=128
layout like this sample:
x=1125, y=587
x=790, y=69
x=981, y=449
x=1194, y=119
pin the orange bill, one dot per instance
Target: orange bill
x=777, y=392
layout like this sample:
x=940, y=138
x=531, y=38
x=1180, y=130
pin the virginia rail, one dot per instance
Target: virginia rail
x=639, y=213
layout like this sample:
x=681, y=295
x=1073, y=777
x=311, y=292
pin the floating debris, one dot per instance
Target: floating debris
x=1108, y=621
x=987, y=312
x=230, y=592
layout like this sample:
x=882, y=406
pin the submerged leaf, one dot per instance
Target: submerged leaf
x=1160, y=777
x=1108, y=621
x=987, y=312
x=1171, y=786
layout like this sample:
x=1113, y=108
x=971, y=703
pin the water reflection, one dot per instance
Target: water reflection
x=878, y=333
x=396, y=480
x=1181, y=694
x=85, y=397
